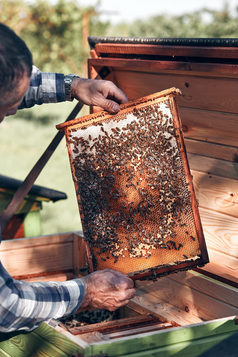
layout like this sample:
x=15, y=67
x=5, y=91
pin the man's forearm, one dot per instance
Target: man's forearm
x=25, y=305
x=44, y=88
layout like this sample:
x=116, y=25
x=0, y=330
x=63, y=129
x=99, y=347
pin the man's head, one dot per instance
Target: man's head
x=15, y=70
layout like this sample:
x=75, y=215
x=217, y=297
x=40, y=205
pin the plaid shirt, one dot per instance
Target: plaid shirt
x=24, y=305
x=44, y=88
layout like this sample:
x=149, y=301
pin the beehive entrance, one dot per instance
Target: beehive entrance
x=134, y=189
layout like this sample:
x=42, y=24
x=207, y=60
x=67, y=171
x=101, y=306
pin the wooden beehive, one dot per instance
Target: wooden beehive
x=193, y=313
x=182, y=314
x=206, y=72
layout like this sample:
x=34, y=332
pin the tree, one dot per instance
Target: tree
x=201, y=23
x=53, y=31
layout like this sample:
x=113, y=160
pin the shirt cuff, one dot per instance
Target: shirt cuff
x=81, y=286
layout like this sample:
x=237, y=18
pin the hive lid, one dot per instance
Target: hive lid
x=134, y=188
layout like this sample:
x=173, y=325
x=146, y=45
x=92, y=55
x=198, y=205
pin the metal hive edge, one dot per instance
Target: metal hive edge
x=203, y=42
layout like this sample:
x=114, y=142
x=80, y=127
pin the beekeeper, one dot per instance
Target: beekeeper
x=25, y=305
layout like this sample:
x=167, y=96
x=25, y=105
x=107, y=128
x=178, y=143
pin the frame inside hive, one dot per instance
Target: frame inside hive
x=134, y=188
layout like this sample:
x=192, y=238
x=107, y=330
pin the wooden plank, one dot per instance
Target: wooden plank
x=221, y=232
x=36, y=241
x=209, y=125
x=213, y=166
x=207, y=286
x=79, y=254
x=81, y=342
x=114, y=325
x=153, y=65
x=216, y=193
x=136, y=330
x=216, y=97
x=166, y=50
x=3, y=353
x=149, y=341
x=42, y=342
x=142, y=310
x=216, y=151
x=220, y=346
x=163, y=310
x=193, y=302
x=49, y=277
x=38, y=254
x=38, y=259
x=60, y=341
x=21, y=346
x=222, y=266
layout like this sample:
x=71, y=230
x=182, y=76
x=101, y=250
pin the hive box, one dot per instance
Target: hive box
x=183, y=314
x=203, y=303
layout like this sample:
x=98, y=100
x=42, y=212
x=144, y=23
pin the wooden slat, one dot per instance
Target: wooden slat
x=213, y=166
x=216, y=193
x=36, y=241
x=176, y=342
x=166, y=50
x=41, y=254
x=20, y=346
x=50, y=277
x=42, y=342
x=163, y=310
x=40, y=259
x=197, y=91
x=3, y=353
x=59, y=341
x=209, y=125
x=222, y=266
x=219, y=345
x=114, y=325
x=79, y=254
x=221, y=232
x=179, y=67
x=208, y=286
x=137, y=330
x=187, y=300
x=215, y=151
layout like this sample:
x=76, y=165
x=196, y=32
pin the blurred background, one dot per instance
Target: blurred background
x=56, y=32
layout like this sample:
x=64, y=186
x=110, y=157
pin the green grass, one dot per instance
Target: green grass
x=22, y=141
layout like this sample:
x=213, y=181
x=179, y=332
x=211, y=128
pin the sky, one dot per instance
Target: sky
x=129, y=10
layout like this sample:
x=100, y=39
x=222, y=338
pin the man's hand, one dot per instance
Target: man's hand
x=104, y=94
x=107, y=289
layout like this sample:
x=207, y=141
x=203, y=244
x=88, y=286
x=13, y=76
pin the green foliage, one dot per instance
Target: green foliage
x=201, y=23
x=56, y=32
x=54, y=35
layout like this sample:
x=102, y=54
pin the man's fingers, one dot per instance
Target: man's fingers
x=126, y=294
x=126, y=283
x=118, y=94
x=117, y=305
x=111, y=96
x=108, y=104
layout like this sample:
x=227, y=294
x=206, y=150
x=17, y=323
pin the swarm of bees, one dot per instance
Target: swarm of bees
x=132, y=189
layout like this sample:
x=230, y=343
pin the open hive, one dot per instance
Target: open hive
x=135, y=194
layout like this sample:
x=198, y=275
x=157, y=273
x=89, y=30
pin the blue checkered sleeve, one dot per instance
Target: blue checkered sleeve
x=44, y=88
x=24, y=305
